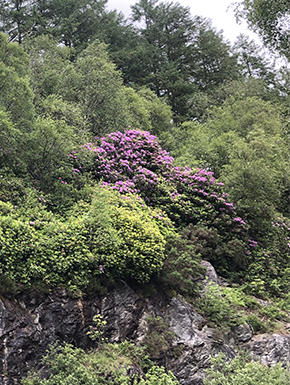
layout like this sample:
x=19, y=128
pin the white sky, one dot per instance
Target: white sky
x=216, y=10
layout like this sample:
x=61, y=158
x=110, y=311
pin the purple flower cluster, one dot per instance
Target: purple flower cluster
x=252, y=243
x=239, y=221
x=134, y=162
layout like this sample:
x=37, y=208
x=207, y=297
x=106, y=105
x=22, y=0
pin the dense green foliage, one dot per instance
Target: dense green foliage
x=90, y=106
x=244, y=372
x=223, y=209
x=183, y=255
x=225, y=307
x=110, y=236
x=269, y=19
x=109, y=364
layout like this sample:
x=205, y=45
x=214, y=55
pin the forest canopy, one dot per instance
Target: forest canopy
x=120, y=137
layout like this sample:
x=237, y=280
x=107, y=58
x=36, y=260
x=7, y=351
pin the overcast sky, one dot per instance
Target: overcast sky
x=218, y=10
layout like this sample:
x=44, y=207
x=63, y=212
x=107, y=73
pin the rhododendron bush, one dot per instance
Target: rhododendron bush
x=134, y=163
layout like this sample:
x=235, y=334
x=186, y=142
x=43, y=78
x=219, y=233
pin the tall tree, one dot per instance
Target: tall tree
x=74, y=22
x=212, y=62
x=70, y=22
x=181, y=54
x=253, y=61
x=18, y=18
x=270, y=19
x=16, y=97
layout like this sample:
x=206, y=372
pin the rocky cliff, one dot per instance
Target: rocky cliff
x=30, y=324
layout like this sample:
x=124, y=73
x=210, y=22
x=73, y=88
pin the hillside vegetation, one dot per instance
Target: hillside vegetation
x=133, y=153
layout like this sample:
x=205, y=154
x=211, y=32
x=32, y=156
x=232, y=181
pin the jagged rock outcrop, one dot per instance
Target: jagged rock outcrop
x=28, y=326
x=211, y=275
x=270, y=348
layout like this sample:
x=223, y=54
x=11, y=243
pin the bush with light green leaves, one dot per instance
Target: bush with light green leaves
x=114, y=237
x=108, y=365
x=241, y=371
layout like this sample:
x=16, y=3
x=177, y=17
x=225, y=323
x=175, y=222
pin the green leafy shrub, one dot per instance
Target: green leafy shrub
x=268, y=273
x=244, y=372
x=257, y=324
x=222, y=305
x=12, y=188
x=112, y=237
x=141, y=250
x=95, y=332
x=182, y=265
x=159, y=337
x=157, y=376
x=230, y=306
x=108, y=365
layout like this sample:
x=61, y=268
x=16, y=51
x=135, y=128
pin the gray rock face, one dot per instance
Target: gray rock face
x=270, y=349
x=198, y=340
x=185, y=322
x=210, y=275
x=243, y=333
x=29, y=326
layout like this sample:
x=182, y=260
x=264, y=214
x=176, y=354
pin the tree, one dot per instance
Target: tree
x=91, y=87
x=16, y=97
x=211, y=58
x=97, y=87
x=48, y=62
x=181, y=54
x=154, y=115
x=253, y=62
x=45, y=152
x=18, y=18
x=243, y=144
x=168, y=30
x=70, y=22
x=270, y=19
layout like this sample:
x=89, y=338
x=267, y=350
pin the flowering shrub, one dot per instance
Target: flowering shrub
x=134, y=162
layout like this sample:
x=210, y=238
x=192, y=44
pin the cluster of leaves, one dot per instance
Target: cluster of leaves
x=109, y=364
x=159, y=338
x=269, y=20
x=225, y=307
x=242, y=371
x=110, y=236
x=220, y=305
x=182, y=263
x=95, y=332
x=268, y=271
